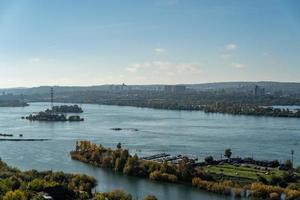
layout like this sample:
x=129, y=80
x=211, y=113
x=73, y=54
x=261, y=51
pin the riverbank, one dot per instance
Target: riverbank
x=32, y=184
x=23, y=139
x=183, y=172
x=25, y=185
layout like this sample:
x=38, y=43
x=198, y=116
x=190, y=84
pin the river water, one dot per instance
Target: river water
x=174, y=132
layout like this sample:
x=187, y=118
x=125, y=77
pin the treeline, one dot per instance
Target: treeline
x=18, y=185
x=67, y=109
x=209, y=101
x=162, y=99
x=249, y=110
x=121, y=161
x=13, y=103
x=184, y=172
x=118, y=195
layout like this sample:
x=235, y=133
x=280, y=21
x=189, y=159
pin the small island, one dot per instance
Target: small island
x=57, y=114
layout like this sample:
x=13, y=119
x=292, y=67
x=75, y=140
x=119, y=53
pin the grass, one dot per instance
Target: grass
x=242, y=172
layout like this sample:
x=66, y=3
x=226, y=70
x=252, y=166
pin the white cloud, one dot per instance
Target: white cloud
x=231, y=47
x=159, y=50
x=164, y=71
x=34, y=60
x=238, y=65
x=133, y=67
x=166, y=67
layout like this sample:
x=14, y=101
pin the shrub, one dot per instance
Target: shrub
x=150, y=197
x=274, y=196
x=215, y=187
x=263, y=191
x=113, y=195
x=158, y=176
x=292, y=194
x=15, y=195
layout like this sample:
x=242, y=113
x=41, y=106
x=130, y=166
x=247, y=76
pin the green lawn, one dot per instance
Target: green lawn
x=242, y=171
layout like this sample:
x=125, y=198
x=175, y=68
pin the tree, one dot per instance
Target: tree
x=164, y=167
x=113, y=195
x=150, y=197
x=119, y=146
x=15, y=195
x=118, y=166
x=184, y=169
x=227, y=153
x=288, y=164
x=209, y=159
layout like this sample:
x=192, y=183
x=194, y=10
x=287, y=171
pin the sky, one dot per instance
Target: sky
x=94, y=42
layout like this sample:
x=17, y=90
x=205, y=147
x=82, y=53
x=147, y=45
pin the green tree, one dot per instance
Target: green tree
x=119, y=146
x=164, y=167
x=228, y=153
x=15, y=195
x=209, y=159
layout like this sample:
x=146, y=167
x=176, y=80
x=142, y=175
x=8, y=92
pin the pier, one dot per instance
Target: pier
x=162, y=157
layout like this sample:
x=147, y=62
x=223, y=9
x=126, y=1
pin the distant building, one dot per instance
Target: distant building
x=174, y=88
x=259, y=91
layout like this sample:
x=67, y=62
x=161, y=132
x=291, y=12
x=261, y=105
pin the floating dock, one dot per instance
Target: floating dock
x=162, y=157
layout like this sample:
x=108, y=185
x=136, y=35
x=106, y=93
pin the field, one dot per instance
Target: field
x=244, y=173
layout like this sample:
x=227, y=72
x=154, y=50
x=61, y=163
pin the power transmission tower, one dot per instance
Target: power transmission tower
x=51, y=98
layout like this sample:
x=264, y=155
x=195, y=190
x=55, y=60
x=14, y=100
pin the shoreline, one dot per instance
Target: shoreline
x=121, y=161
x=19, y=140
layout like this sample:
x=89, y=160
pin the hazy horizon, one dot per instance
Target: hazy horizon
x=80, y=43
x=54, y=85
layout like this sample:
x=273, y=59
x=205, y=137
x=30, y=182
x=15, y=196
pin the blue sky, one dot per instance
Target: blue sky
x=80, y=42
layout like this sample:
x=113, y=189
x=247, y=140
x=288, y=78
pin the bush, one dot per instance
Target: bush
x=114, y=195
x=292, y=194
x=215, y=187
x=15, y=195
x=274, y=196
x=40, y=184
x=238, y=192
x=263, y=191
x=158, y=176
x=150, y=197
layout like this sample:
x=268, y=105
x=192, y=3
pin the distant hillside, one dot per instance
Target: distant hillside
x=246, y=86
x=284, y=87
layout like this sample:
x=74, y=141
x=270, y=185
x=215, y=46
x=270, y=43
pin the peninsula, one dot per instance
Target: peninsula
x=243, y=177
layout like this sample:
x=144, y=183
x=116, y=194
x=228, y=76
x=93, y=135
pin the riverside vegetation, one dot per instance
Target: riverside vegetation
x=237, y=103
x=67, y=109
x=284, y=182
x=18, y=185
x=57, y=113
x=34, y=185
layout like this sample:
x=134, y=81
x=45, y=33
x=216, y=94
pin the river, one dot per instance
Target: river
x=174, y=132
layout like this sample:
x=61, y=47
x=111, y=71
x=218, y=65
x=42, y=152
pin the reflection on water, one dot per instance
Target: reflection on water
x=174, y=132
